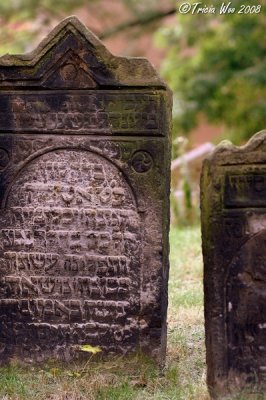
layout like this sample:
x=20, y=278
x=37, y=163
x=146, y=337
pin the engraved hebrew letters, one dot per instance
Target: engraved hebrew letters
x=71, y=249
x=84, y=201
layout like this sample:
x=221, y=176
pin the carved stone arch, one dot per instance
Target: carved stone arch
x=70, y=254
x=37, y=155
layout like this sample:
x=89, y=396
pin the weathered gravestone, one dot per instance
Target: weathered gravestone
x=233, y=202
x=84, y=185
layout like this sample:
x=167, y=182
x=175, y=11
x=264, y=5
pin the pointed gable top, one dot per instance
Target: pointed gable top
x=71, y=56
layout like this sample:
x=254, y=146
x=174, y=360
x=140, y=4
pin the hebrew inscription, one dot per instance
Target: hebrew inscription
x=245, y=190
x=84, y=201
x=106, y=113
x=70, y=246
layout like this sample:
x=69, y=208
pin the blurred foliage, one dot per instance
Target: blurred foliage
x=29, y=9
x=184, y=197
x=16, y=32
x=20, y=20
x=215, y=64
x=216, y=68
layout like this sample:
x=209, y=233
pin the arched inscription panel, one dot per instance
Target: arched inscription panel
x=70, y=258
x=246, y=312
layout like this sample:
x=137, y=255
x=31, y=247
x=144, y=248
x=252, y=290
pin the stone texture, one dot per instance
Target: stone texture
x=84, y=193
x=233, y=205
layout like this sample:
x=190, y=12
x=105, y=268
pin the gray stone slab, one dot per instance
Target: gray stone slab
x=84, y=194
x=233, y=205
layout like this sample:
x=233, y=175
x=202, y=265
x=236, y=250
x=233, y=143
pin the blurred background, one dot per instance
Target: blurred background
x=215, y=65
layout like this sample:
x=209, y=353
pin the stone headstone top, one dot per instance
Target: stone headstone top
x=84, y=200
x=71, y=56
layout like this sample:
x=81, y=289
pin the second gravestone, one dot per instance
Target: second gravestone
x=84, y=191
x=233, y=203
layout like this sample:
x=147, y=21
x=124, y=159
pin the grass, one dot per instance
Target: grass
x=135, y=377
